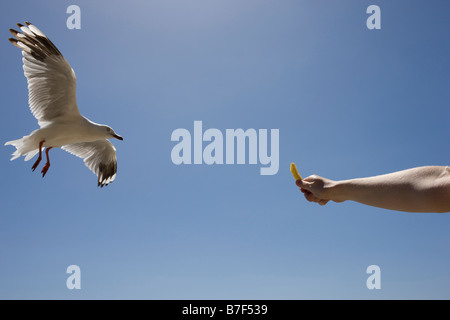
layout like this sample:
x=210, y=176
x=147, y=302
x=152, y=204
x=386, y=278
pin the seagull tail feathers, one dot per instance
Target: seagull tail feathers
x=22, y=149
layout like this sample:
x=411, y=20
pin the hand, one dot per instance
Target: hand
x=421, y=189
x=317, y=189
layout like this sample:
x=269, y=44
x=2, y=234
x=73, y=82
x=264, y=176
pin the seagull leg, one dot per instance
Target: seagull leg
x=47, y=165
x=40, y=156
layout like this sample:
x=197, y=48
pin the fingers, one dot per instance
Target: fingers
x=306, y=186
x=312, y=198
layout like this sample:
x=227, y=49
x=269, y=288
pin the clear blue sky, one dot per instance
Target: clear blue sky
x=349, y=102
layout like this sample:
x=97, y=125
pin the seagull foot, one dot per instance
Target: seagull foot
x=45, y=169
x=35, y=165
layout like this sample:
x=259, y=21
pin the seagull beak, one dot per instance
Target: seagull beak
x=117, y=137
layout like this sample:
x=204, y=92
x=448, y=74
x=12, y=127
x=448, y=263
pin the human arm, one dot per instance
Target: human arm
x=422, y=189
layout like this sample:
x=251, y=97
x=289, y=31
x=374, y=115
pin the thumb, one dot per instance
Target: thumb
x=304, y=184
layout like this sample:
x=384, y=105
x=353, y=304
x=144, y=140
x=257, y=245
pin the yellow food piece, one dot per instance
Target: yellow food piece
x=295, y=173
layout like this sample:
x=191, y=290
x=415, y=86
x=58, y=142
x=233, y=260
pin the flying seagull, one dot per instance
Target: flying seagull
x=52, y=100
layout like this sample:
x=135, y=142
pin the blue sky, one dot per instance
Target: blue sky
x=348, y=102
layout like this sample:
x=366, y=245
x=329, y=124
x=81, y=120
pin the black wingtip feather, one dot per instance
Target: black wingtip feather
x=14, y=42
x=40, y=46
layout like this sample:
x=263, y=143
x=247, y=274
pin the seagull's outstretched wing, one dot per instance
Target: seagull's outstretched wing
x=51, y=80
x=99, y=156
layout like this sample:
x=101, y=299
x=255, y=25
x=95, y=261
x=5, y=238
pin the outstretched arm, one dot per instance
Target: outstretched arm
x=423, y=189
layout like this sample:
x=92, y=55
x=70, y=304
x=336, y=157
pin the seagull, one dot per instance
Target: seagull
x=52, y=100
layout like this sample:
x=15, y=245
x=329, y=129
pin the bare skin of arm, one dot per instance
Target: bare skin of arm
x=422, y=189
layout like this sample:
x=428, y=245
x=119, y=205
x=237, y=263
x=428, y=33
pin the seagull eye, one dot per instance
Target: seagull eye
x=108, y=129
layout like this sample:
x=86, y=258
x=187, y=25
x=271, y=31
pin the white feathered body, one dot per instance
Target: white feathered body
x=56, y=135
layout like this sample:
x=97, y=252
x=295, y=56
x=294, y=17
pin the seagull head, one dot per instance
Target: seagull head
x=110, y=133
